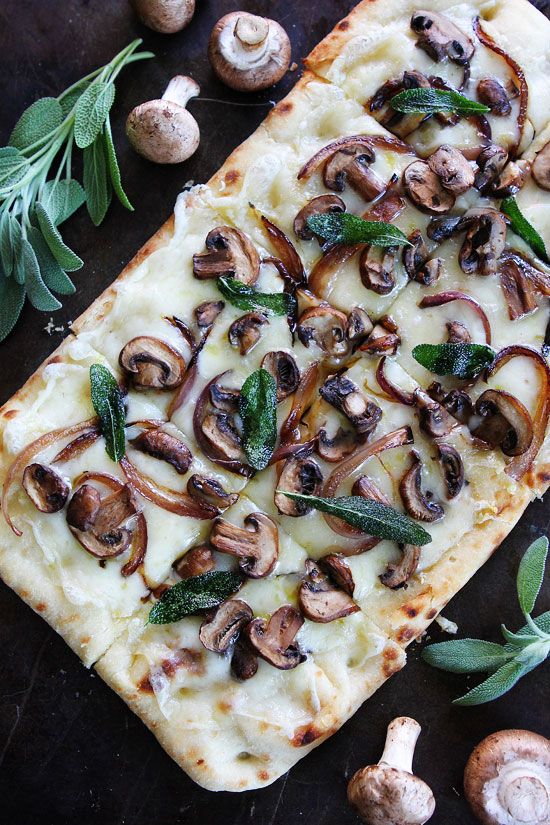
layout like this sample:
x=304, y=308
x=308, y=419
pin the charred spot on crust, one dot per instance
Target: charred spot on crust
x=431, y=614
x=344, y=25
x=305, y=735
x=232, y=176
x=285, y=108
x=411, y=611
x=144, y=685
x=263, y=776
x=405, y=634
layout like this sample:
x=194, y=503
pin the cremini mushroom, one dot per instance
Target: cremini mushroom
x=221, y=630
x=351, y=165
x=418, y=505
x=484, y=241
x=491, y=161
x=299, y=475
x=493, y=94
x=452, y=467
x=228, y=252
x=248, y=52
x=397, y=122
x=164, y=16
x=440, y=38
x=283, y=368
x=389, y=793
x=100, y=524
x=151, y=363
x=246, y=331
x=358, y=325
x=47, y=490
x=321, y=599
x=321, y=205
x=425, y=189
x=256, y=545
x=209, y=490
x=397, y=574
x=244, y=662
x=197, y=560
x=452, y=169
x=337, y=447
x=345, y=396
x=336, y=566
x=381, y=341
x=160, y=444
x=511, y=179
x=207, y=312
x=376, y=269
x=273, y=639
x=540, y=169
x=163, y=131
x=325, y=327
x=457, y=333
x=502, y=421
x=224, y=398
x=507, y=779
x=433, y=417
x=220, y=430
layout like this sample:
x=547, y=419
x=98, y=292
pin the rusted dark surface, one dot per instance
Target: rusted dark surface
x=70, y=751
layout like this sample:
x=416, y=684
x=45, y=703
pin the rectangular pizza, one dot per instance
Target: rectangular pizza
x=408, y=376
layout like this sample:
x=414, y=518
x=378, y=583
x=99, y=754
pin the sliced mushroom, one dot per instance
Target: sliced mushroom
x=220, y=631
x=210, y=491
x=376, y=269
x=540, y=169
x=484, y=241
x=457, y=333
x=397, y=575
x=452, y=169
x=415, y=255
x=273, y=639
x=504, y=423
x=299, y=475
x=358, y=325
x=397, y=122
x=219, y=429
x=511, y=179
x=381, y=342
x=45, y=488
x=229, y=252
x=224, y=398
x=321, y=205
x=325, y=327
x=433, y=418
x=320, y=599
x=453, y=469
x=425, y=190
x=246, y=331
x=366, y=488
x=458, y=404
x=165, y=447
x=338, y=447
x=196, y=561
x=152, y=364
x=336, y=566
x=351, y=166
x=493, y=94
x=345, y=396
x=440, y=38
x=99, y=524
x=244, y=662
x=283, y=368
x=207, y=312
x=491, y=161
x=256, y=545
x=517, y=286
x=418, y=505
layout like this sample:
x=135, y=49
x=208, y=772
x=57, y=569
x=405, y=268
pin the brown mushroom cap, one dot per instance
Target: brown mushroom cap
x=325, y=327
x=160, y=444
x=99, y=524
x=207, y=312
x=245, y=332
x=283, y=368
x=452, y=169
x=359, y=324
x=351, y=166
x=299, y=475
x=322, y=600
x=453, y=469
x=493, y=94
x=507, y=778
x=381, y=341
x=376, y=269
x=433, y=417
x=272, y=640
x=256, y=545
x=336, y=566
x=197, y=560
x=425, y=189
x=540, y=169
x=220, y=631
x=491, y=161
x=244, y=662
x=229, y=252
x=321, y=205
x=457, y=333
x=247, y=52
x=484, y=242
x=164, y=16
x=418, y=504
x=397, y=122
x=219, y=429
x=440, y=38
x=152, y=364
x=511, y=179
x=334, y=449
x=504, y=422
x=209, y=490
x=45, y=487
x=397, y=575
x=345, y=396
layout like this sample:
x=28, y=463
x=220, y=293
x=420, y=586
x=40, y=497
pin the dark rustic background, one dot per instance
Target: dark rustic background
x=70, y=751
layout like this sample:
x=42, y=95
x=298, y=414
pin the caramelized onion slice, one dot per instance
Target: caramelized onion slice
x=394, y=392
x=285, y=250
x=171, y=500
x=370, y=141
x=442, y=298
x=301, y=401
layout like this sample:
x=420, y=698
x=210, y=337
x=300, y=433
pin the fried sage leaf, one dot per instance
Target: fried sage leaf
x=431, y=101
x=109, y=406
x=248, y=298
x=350, y=229
x=460, y=360
x=196, y=593
x=257, y=406
x=521, y=226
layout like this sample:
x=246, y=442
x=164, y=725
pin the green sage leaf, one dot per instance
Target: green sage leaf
x=68, y=100
x=521, y=226
x=371, y=517
x=66, y=258
x=53, y=276
x=37, y=122
x=12, y=298
x=109, y=406
x=96, y=183
x=517, y=641
x=247, y=298
x=257, y=407
x=344, y=228
x=531, y=574
x=113, y=167
x=431, y=101
x=91, y=112
x=496, y=685
x=13, y=166
x=37, y=292
x=460, y=360
x=18, y=270
x=62, y=198
x=466, y=655
x=7, y=243
x=194, y=594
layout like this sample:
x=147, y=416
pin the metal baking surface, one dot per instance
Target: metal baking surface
x=70, y=751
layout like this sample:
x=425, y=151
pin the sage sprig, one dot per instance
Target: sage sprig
x=38, y=192
x=371, y=517
x=432, y=101
x=460, y=360
x=521, y=652
x=257, y=407
x=343, y=228
x=194, y=594
x=108, y=403
x=247, y=298
x=521, y=226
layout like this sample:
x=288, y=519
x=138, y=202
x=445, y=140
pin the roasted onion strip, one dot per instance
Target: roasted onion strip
x=369, y=141
x=286, y=251
x=173, y=501
x=77, y=446
x=394, y=392
x=300, y=402
x=442, y=298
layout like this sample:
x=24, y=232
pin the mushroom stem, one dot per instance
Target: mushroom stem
x=401, y=740
x=251, y=31
x=180, y=90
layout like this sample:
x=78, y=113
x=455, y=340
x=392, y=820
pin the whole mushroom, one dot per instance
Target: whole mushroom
x=389, y=793
x=164, y=16
x=507, y=779
x=163, y=131
x=248, y=52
